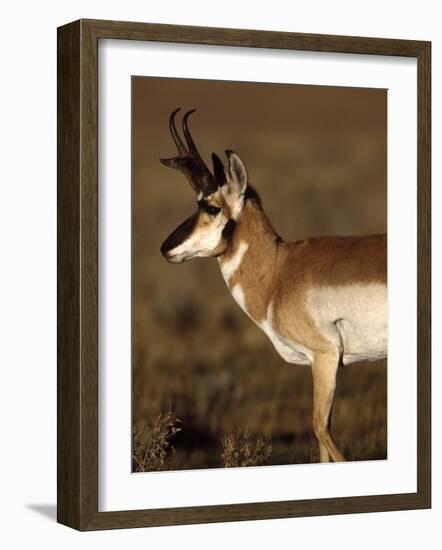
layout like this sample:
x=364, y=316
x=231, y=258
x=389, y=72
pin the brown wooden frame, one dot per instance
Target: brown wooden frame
x=77, y=224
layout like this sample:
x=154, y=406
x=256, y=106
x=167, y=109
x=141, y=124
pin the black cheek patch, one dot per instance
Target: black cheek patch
x=181, y=233
x=229, y=230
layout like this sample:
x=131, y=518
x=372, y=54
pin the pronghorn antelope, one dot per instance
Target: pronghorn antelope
x=321, y=301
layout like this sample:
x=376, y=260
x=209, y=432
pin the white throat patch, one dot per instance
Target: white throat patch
x=229, y=266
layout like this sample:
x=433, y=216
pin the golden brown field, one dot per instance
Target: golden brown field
x=317, y=156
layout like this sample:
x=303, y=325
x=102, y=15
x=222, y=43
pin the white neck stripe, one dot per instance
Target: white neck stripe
x=229, y=267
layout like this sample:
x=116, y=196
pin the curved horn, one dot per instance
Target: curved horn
x=175, y=135
x=190, y=143
x=189, y=161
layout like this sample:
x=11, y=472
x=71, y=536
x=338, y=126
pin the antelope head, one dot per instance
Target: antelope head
x=220, y=199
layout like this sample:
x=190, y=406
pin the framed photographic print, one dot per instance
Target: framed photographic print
x=243, y=275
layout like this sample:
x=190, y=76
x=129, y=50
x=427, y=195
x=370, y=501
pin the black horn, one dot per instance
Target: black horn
x=175, y=135
x=189, y=161
x=189, y=140
x=218, y=170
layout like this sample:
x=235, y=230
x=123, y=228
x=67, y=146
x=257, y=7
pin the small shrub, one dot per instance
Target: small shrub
x=239, y=450
x=152, y=445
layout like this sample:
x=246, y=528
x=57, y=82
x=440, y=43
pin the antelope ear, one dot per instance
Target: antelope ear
x=237, y=176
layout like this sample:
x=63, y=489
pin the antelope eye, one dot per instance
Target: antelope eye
x=208, y=208
x=213, y=210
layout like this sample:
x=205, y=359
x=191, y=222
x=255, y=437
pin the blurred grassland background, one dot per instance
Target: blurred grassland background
x=318, y=158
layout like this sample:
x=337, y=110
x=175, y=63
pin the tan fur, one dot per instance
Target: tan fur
x=272, y=270
x=254, y=267
x=328, y=261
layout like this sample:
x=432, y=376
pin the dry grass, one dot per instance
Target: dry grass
x=152, y=446
x=240, y=450
x=153, y=450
